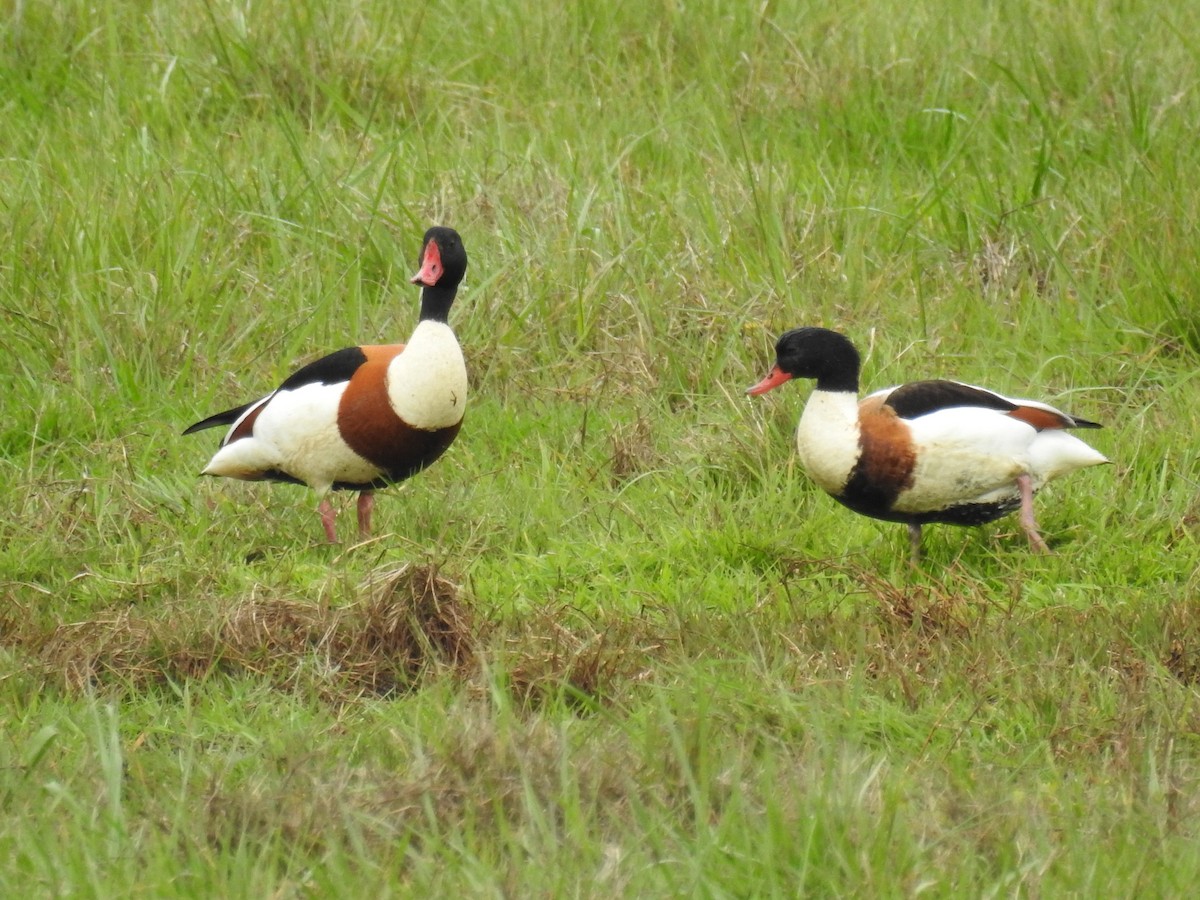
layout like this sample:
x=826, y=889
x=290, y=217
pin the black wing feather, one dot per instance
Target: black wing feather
x=332, y=369
x=919, y=398
x=222, y=418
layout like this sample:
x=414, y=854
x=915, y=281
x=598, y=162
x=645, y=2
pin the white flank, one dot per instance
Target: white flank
x=966, y=455
x=427, y=383
x=972, y=455
x=827, y=438
x=297, y=433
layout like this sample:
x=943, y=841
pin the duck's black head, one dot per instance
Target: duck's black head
x=443, y=263
x=817, y=353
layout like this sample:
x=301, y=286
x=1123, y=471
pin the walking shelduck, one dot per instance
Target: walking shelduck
x=363, y=417
x=927, y=451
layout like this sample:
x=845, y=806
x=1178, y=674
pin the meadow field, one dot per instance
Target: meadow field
x=614, y=643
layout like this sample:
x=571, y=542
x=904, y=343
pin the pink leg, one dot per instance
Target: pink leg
x=914, y=543
x=1028, y=523
x=366, y=502
x=325, y=510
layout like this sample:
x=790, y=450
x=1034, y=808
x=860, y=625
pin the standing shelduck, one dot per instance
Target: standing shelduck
x=927, y=451
x=363, y=417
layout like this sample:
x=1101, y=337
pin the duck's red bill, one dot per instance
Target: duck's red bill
x=774, y=379
x=431, y=266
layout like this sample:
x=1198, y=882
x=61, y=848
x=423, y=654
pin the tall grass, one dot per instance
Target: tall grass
x=688, y=671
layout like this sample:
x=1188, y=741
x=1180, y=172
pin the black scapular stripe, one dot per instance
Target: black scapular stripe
x=222, y=418
x=918, y=398
x=336, y=367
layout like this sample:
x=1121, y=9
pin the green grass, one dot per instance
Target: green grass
x=660, y=662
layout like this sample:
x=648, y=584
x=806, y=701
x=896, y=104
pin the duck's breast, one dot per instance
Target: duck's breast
x=427, y=383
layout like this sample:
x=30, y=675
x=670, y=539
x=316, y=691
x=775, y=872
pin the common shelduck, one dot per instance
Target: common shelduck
x=927, y=451
x=363, y=417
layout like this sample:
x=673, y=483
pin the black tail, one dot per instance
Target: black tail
x=222, y=418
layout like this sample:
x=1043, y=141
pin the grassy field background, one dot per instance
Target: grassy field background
x=614, y=643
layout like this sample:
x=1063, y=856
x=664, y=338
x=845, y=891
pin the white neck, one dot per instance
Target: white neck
x=427, y=383
x=827, y=438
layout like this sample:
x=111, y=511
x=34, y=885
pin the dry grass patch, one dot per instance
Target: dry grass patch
x=561, y=653
x=411, y=619
x=633, y=451
x=1182, y=636
x=409, y=623
x=931, y=609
